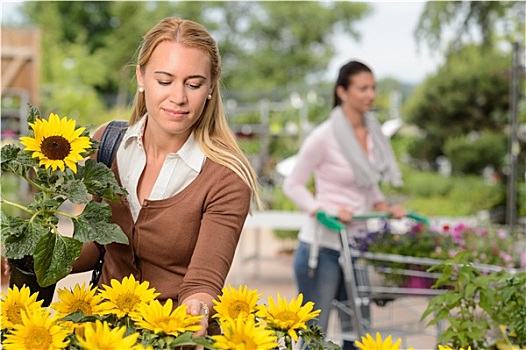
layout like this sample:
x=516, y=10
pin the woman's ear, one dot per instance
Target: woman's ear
x=138, y=74
x=341, y=92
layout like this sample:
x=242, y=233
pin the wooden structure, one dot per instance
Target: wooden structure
x=20, y=77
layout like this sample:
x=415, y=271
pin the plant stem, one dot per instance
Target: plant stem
x=288, y=342
x=34, y=184
x=69, y=216
x=16, y=205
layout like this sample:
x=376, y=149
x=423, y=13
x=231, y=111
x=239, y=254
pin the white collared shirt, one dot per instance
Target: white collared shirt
x=178, y=171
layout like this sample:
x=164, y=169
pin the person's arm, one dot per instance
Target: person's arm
x=308, y=158
x=380, y=204
x=88, y=258
x=225, y=211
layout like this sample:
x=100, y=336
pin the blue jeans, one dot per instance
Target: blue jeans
x=325, y=285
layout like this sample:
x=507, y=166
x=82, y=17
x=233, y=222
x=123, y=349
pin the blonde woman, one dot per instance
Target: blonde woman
x=189, y=185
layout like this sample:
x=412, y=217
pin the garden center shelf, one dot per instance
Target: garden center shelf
x=385, y=293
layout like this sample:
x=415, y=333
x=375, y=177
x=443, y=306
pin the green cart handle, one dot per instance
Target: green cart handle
x=330, y=222
x=333, y=223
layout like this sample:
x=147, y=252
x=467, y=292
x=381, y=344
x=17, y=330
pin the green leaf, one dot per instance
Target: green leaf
x=79, y=317
x=16, y=161
x=77, y=192
x=93, y=225
x=54, y=257
x=33, y=115
x=9, y=153
x=100, y=180
x=470, y=291
x=187, y=338
x=20, y=237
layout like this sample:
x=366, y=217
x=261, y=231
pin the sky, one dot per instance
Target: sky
x=387, y=43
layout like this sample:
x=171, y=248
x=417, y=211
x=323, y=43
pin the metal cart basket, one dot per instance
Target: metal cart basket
x=364, y=287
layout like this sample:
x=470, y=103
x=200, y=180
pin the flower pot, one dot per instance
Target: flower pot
x=19, y=276
x=416, y=282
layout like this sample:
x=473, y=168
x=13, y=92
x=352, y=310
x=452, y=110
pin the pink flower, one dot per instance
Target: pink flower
x=502, y=234
x=457, y=237
x=459, y=227
x=506, y=257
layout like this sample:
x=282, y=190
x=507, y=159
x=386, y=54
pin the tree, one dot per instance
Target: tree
x=466, y=18
x=469, y=94
x=263, y=45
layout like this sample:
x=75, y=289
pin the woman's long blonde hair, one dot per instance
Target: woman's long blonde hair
x=211, y=130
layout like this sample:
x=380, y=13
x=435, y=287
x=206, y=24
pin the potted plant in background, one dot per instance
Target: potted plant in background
x=483, y=246
x=482, y=310
x=50, y=164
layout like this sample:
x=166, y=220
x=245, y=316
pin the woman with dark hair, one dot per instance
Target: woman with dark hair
x=347, y=155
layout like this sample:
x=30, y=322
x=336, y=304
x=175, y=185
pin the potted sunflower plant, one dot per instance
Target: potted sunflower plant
x=54, y=163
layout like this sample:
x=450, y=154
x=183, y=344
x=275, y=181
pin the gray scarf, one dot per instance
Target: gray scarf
x=385, y=168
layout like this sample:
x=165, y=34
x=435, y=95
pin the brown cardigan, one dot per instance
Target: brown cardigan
x=184, y=244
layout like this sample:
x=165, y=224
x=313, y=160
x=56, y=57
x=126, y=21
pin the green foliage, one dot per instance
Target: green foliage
x=477, y=193
x=475, y=302
x=469, y=93
x=94, y=45
x=288, y=53
x=461, y=17
x=427, y=184
x=424, y=150
x=470, y=154
x=432, y=194
x=80, y=102
x=521, y=198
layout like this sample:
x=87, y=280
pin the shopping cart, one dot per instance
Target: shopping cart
x=364, y=289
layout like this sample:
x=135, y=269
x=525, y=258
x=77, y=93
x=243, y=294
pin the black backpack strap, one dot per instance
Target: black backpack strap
x=111, y=139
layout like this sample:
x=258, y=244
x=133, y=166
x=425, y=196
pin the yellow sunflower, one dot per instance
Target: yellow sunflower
x=288, y=317
x=99, y=335
x=244, y=333
x=447, y=347
x=124, y=298
x=164, y=319
x=79, y=298
x=233, y=303
x=369, y=343
x=56, y=142
x=38, y=331
x=16, y=301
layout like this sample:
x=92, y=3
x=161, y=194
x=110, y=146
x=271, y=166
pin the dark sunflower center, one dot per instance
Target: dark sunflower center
x=56, y=147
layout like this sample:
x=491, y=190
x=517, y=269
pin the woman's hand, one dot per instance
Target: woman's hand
x=199, y=304
x=345, y=215
x=398, y=211
x=5, y=267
